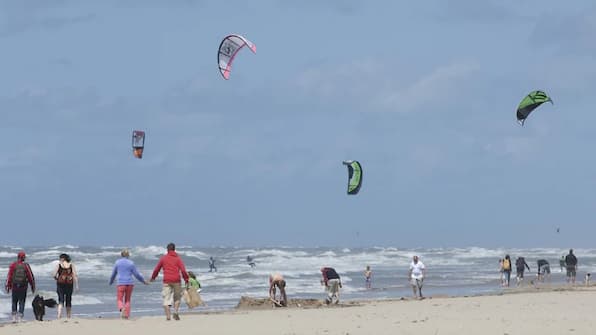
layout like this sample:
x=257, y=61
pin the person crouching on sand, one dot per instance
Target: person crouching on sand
x=416, y=275
x=277, y=280
x=332, y=283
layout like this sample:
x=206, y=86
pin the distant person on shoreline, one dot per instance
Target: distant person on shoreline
x=520, y=265
x=332, y=283
x=571, y=264
x=416, y=275
x=368, y=277
x=125, y=269
x=562, y=263
x=67, y=281
x=501, y=274
x=276, y=280
x=543, y=270
x=212, y=267
x=507, y=270
x=250, y=261
x=18, y=280
x=173, y=268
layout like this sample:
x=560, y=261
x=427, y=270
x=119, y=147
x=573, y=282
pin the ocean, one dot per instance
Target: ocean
x=450, y=271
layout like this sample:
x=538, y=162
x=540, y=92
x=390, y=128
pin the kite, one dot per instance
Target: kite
x=354, y=176
x=138, y=143
x=530, y=103
x=228, y=48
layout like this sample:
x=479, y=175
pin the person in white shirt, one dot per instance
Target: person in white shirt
x=416, y=276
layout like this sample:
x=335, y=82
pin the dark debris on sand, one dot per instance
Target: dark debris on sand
x=264, y=303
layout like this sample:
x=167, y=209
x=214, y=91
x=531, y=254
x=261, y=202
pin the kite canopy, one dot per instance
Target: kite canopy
x=354, y=176
x=228, y=48
x=530, y=103
x=138, y=143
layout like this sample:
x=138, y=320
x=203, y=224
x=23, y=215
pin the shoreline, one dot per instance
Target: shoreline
x=545, y=309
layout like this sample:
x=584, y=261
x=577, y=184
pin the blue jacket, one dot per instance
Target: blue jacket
x=125, y=269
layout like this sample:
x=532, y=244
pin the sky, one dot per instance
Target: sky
x=422, y=93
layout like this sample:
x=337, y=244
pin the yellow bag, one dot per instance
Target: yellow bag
x=506, y=264
x=192, y=298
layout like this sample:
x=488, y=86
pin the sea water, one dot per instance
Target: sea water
x=450, y=271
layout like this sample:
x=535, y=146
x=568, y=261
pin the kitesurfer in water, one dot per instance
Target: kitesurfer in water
x=250, y=261
x=212, y=267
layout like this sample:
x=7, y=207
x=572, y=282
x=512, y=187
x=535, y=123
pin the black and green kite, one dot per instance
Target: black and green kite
x=530, y=103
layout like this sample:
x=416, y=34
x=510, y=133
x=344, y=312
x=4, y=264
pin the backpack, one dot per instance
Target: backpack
x=19, y=276
x=506, y=264
x=520, y=263
x=65, y=275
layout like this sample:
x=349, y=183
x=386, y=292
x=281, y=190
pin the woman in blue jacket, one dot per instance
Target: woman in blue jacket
x=126, y=270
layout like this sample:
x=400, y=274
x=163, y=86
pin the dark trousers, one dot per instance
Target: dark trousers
x=18, y=298
x=64, y=294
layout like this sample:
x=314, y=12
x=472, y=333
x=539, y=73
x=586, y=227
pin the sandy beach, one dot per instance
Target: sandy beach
x=530, y=311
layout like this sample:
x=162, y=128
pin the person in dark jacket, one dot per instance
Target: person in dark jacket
x=521, y=266
x=19, y=278
x=332, y=283
x=571, y=264
x=543, y=270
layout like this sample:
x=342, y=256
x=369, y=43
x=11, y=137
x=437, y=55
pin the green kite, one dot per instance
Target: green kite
x=354, y=176
x=530, y=103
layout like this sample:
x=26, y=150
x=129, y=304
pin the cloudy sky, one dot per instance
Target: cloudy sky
x=422, y=93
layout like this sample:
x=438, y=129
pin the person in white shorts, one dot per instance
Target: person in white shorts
x=416, y=276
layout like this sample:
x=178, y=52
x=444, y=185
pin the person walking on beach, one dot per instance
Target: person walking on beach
x=416, y=275
x=332, y=283
x=571, y=264
x=126, y=270
x=18, y=280
x=501, y=274
x=520, y=266
x=507, y=270
x=543, y=270
x=67, y=281
x=276, y=280
x=212, y=267
x=368, y=277
x=173, y=267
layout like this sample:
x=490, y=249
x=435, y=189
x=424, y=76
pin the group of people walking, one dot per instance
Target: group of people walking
x=568, y=262
x=20, y=277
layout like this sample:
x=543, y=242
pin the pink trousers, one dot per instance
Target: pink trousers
x=123, y=296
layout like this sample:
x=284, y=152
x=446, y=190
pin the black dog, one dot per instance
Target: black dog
x=39, y=306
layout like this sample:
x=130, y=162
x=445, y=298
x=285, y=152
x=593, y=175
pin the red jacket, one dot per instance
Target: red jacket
x=13, y=286
x=172, y=267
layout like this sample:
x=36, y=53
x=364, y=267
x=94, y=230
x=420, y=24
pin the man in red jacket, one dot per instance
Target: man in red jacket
x=19, y=278
x=172, y=291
